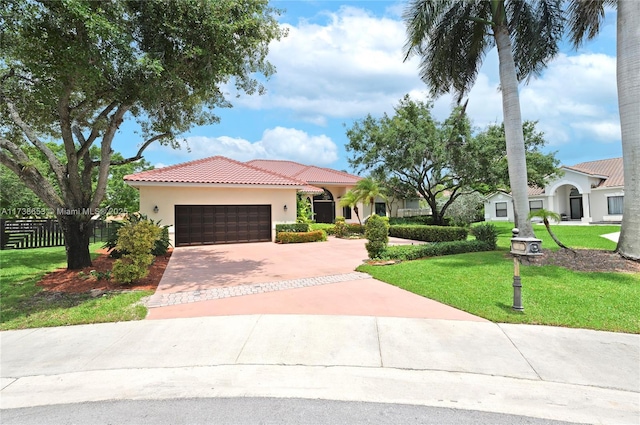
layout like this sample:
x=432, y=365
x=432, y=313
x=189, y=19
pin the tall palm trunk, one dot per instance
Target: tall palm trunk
x=628, y=77
x=513, y=130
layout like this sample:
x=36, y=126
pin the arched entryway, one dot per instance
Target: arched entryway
x=324, y=207
x=567, y=199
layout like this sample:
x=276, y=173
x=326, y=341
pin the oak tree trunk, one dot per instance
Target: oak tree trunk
x=77, y=231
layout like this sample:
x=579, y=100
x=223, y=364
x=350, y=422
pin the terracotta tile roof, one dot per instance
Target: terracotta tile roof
x=215, y=170
x=308, y=173
x=535, y=190
x=611, y=169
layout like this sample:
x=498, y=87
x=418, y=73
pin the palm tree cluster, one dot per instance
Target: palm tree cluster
x=365, y=191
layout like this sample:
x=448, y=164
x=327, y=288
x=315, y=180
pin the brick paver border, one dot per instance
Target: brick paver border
x=166, y=299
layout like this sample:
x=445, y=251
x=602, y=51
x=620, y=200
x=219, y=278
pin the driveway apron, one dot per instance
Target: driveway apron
x=269, y=278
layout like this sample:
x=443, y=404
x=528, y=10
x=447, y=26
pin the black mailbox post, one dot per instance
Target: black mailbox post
x=527, y=247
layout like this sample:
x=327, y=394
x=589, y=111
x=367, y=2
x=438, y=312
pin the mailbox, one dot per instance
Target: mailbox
x=525, y=246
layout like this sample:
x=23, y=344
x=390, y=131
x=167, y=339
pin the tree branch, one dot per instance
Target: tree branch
x=94, y=129
x=56, y=165
x=144, y=146
x=28, y=174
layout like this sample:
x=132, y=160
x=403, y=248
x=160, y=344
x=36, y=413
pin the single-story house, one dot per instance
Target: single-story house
x=588, y=192
x=219, y=200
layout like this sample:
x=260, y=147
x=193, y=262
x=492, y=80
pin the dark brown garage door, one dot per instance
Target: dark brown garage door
x=217, y=224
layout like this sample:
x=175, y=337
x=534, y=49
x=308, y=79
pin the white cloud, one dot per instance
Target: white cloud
x=352, y=65
x=276, y=143
x=348, y=67
x=605, y=131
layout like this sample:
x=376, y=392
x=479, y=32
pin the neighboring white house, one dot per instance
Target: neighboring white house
x=589, y=192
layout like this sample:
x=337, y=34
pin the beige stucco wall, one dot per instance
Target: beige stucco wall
x=490, y=207
x=599, y=204
x=165, y=198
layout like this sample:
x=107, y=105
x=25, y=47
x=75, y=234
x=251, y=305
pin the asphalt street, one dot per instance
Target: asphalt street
x=239, y=411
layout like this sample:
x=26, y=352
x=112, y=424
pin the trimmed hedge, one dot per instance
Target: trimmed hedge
x=300, y=237
x=292, y=227
x=327, y=227
x=428, y=233
x=420, y=220
x=414, y=252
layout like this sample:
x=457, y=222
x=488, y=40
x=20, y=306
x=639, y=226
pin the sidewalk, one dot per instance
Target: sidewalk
x=546, y=372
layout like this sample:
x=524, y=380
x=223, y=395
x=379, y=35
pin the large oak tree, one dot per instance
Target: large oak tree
x=441, y=160
x=72, y=71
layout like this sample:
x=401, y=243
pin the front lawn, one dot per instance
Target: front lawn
x=26, y=305
x=481, y=284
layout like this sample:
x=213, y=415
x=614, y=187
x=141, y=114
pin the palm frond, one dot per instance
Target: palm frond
x=585, y=17
x=536, y=28
x=452, y=38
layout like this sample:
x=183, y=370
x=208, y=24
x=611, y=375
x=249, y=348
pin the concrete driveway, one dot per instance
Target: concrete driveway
x=269, y=278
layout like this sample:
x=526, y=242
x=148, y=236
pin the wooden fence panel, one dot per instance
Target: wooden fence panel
x=23, y=233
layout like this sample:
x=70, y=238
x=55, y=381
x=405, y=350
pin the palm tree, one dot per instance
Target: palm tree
x=452, y=38
x=368, y=190
x=545, y=215
x=584, y=21
x=351, y=199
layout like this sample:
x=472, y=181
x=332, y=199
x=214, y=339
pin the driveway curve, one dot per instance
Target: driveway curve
x=269, y=278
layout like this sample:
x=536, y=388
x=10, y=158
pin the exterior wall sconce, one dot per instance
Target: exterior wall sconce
x=156, y=209
x=285, y=208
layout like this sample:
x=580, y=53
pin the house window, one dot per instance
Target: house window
x=535, y=205
x=501, y=209
x=346, y=212
x=381, y=208
x=615, y=204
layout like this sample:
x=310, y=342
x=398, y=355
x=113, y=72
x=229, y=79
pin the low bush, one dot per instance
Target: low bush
x=414, y=252
x=137, y=239
x=343, y=229
x=300, y=237
x=160, y=246
x=329, y=228
x=421, y=220
x=292, y=227
x=486, y=232
x=340, y=228
x=377, y=232
x=428, y=233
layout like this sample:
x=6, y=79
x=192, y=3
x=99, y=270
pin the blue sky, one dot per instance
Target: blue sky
x=343, y=60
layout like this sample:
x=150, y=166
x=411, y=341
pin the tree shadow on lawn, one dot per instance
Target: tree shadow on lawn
x=42, y=302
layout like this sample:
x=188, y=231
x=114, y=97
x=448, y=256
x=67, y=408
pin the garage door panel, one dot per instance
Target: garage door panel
x=217, y=224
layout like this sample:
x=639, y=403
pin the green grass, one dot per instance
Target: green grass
x=25, y=305
x=481, y=284
x=572, y=236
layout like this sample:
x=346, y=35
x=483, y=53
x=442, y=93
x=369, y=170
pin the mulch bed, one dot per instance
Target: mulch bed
x=585, y=260
x=78, y=281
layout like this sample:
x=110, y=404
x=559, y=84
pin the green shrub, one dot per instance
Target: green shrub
x=428, y=233
x=414, y=252
x=343, y=229
x=340, y=228
x=329, y=228
x=421, y=220
x=292, y=227
x=486, y=232
x=357, y=229
x=300, y=237
x=137, y=239
x=377, y=232
x=160, y=246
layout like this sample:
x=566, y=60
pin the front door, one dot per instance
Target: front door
x=575, y=205
x=324, y=211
